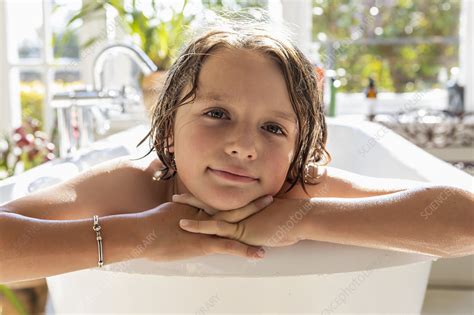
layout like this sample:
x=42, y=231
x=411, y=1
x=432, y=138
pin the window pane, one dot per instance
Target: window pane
x=25, y=28
x=67, y=80
x=352, y=19
x=404, y=45
x=233, y=4
x=395, y=68
x=32, y=94
x=65, y=39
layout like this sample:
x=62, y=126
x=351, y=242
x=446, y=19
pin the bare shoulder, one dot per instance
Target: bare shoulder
x=149, y=163
x=120, y=185
x=126, y=183
x=340, y=183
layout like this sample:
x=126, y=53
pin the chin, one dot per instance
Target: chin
x=226, y=204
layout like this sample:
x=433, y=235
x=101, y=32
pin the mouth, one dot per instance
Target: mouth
x=232, y=177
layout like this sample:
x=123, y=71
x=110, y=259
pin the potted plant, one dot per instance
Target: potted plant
x=160, y=38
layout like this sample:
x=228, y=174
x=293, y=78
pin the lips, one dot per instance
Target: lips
x=236, y=177
x=235, y=171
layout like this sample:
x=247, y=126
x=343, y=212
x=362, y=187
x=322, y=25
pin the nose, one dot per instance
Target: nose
x=242, y=144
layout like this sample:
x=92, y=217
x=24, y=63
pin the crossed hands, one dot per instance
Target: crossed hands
x=240, y=232
x=263, y=222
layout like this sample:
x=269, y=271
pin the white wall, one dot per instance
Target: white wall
x=298, y=14
x=466, y=52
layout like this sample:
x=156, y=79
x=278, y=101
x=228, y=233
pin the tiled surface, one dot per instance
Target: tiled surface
x=439, y=301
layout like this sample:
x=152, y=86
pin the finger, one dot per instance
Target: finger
x=226, y=246
x=193, y=201
x=211, y=227
x=237, y=215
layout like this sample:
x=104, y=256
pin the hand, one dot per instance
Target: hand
x=280, y=224
x=172, y=243
x=234, y=215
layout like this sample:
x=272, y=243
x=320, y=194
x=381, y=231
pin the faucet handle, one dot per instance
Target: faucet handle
x=102, y=120
x=130, y=98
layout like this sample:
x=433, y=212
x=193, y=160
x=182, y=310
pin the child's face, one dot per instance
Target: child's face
x=241, y=129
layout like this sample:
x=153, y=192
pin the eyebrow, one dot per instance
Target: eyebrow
x=222, y=97
x=213, y=97
x=284, y=115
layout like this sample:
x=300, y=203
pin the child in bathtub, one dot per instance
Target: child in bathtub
x=240, y=135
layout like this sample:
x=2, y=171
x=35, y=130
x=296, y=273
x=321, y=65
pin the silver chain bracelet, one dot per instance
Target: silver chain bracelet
x=96, y=227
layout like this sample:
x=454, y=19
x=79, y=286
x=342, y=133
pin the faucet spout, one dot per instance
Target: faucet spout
x=145, y=64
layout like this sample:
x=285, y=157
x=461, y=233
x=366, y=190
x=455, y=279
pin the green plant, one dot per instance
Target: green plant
x=32, y=98
x=159, y=38
x=11, y=297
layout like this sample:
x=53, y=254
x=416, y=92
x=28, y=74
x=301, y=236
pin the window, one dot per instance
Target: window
x=405, y=45
x=233, y=5
x=42, y=56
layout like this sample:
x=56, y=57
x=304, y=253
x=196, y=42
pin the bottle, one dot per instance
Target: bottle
x=371, y=95
x=455, y=96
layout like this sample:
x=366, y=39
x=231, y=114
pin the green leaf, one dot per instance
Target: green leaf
x=86, y=11
x=11, y=297
x=90, y=41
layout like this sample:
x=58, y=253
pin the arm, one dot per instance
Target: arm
x=338, y=183
x=437, y=220
x=114, y=187
x=33, y=248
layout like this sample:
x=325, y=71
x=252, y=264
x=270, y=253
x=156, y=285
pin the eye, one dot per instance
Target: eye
x=217, y=114
x=278, y=128
x=218, y=111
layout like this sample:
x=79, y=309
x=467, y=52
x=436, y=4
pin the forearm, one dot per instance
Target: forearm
x=34, y=248
x=436, y=221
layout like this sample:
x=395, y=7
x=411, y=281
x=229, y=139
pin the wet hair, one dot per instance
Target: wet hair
x=300, y=78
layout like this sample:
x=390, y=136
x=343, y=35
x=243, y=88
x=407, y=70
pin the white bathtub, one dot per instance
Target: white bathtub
x=312, y=277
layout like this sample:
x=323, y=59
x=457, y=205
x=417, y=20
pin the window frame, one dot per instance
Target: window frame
x=10, y=117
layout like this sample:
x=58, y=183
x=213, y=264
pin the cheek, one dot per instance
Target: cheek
x=196, y=140
x=205, y=137
x=276, y=167
x=192, y=145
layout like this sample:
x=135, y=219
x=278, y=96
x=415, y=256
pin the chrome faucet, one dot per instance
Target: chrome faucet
x=145, y=64
x=81, y=114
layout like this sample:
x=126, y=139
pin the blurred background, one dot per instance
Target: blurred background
x=74, y=72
